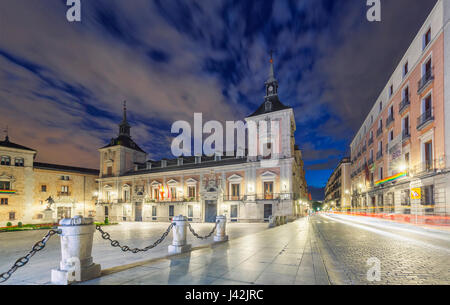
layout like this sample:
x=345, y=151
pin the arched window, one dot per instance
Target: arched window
x=6, y=160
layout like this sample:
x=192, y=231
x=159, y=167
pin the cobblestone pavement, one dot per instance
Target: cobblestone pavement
x=321, y=249
x=408, y=255
x=38, y=271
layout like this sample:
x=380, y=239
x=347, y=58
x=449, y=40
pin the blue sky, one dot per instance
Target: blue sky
x=62, y=84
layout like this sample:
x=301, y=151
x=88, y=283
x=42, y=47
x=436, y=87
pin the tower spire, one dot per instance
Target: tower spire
x=124, y=127
x=6, y=134
x=271, y=83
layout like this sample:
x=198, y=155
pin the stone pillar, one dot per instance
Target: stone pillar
x=221, y=223
x=179, y=244
x=77, y=236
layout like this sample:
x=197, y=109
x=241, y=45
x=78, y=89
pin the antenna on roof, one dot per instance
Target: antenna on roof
x=6, y=133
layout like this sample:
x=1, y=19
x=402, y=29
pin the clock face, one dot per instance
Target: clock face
x=270, y=88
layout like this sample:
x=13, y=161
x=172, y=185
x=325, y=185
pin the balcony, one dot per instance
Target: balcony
x=406, y=134
x=175, y=200
x=404, y=105
x=425, y=81
x=233, y=198
x=370, y=141
x=270, y=196
x=379, y=155
x=64, y=194
x=370, y=161
x=425, y=119
x=389, y=120
x=379, y=131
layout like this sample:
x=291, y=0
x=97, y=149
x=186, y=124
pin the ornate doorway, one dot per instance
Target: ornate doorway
x=210, y=210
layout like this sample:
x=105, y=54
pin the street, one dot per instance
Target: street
x=317, y=250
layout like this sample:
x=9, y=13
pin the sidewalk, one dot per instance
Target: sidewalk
x=283, y=255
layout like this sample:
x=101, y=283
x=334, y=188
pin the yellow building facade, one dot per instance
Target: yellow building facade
x=33, y=192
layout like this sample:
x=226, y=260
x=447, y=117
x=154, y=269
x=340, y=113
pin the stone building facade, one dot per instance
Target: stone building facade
x=245, y=189
x=338, y=188
x=400, y=154
x=26, y=186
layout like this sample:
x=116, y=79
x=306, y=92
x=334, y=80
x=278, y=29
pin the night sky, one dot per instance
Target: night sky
x=62, y=84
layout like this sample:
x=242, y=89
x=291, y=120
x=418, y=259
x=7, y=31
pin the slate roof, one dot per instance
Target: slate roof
x=7, y=143
x=66, y=168
x=126, y=141
x=277, y=105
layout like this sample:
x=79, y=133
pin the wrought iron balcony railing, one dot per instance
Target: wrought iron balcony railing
x=426, y=79
x=424, y=119
x=379, y=131
x=389, y=120
x=404, y=105
x=379, y=155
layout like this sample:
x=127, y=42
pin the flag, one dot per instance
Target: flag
x=309, y=196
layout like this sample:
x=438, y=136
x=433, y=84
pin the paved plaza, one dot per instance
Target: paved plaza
x=317, y=250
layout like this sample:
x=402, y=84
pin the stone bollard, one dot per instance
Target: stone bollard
x=179, y=244
x=221, y=229
x=277, y=221
x=272, y=222
x=77, y=236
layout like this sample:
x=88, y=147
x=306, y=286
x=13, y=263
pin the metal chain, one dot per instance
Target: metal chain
x=25, y=259
x=116, y=244
x=202, y=237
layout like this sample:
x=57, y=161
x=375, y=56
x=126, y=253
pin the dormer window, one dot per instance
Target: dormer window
x=427, y=38
x=6, y=160
x=19, y=162
x=268, y=106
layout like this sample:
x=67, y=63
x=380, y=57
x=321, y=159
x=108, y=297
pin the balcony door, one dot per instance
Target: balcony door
x=428, y=150
x=268, y=190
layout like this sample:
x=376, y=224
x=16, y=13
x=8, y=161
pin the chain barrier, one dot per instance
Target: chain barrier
x=116, y=244
x=25, y=259
x=203, y=237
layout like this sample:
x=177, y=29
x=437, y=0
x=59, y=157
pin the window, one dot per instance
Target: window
x=405, y=94
x=65, y=178
x=234, y=211
x=155, y=193
x=5, y=185
x=171, y=211
x=381, y=106
x=6, y=160
x=268, y=190
x=427, y=38
x=427, y=105
x=126, y=195
x=64, y=190
x=391, y=136
x=173, y=192
x=428, y=195
x=190, y=211
x=405, y=69
x=109, y=171
x=43, y=188
x=235, y=190
x=12, y=215
x=406, y=197
x=428, y=147
x=391, y=90
x=192, y=192
x=19, y=162
x=4, y=201
x=380, y=174
x=154, y=211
